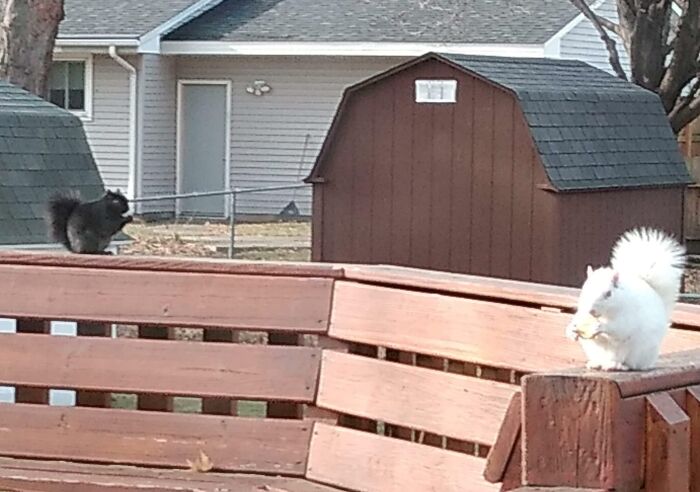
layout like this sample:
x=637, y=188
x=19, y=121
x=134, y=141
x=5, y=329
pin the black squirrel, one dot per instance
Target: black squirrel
x=87, y=227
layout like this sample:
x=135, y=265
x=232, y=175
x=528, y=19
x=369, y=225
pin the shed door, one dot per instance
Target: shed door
x=203, y=146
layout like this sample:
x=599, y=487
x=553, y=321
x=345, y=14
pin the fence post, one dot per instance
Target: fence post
x=232, y=223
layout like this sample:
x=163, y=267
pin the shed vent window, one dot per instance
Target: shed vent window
x=436, y=91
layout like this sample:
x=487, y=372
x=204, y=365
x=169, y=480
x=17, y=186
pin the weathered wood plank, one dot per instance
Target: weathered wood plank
x=363, y=461
x=153, y=366
x=483, y=332
x=57, y=476
x=667, y=457
x=446, y=404
x=569, y=426
x=171, y=264
x=503, y=447
x=153, y=439
x=166, y=298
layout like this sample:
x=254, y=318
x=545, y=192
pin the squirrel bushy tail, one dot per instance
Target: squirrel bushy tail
x=653, y=256
x=60, y=208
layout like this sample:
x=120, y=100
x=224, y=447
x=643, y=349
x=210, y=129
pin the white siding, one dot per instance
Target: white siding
x=268, y=132
x=583, y=42
x=158, y=89
x=108, y=130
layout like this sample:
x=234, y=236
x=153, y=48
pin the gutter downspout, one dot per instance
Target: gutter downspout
x=134, y=182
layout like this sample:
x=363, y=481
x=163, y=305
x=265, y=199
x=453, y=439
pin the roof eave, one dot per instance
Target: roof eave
x=364, y=48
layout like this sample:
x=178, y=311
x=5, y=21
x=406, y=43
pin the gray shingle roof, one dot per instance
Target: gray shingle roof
x=117, y=17
x=43, y=149
x=472, y=21
x=592, y=130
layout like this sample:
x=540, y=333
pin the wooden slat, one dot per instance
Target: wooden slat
x=504, y=446
x=483, y=332
x=361, y=461
x=456, y=328
x=513, y=291
x=166, y=298
x=90, y=398
x=170, y=264
x=32, y=395
x=469, y=409
x=153, y=439
x=284, y=409
x=53, y=476
x=667, y=457
x=154, y=366
x=149, y=401
x=220, y=406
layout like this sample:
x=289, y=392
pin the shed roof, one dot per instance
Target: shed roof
x=591, y=129
x=457, y=21
x=43, y=149
x=108, y=18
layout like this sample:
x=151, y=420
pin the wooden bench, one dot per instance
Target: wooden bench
x=369, y=378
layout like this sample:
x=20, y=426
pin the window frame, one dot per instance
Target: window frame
x=420, y=98
x=84, y=114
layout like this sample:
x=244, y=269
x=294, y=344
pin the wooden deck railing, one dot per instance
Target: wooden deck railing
x=363, y=378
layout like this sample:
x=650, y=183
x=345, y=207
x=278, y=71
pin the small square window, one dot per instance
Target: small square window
x=436, y=91
x=67, y=85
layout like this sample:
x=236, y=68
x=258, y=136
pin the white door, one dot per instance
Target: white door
x=203, y=126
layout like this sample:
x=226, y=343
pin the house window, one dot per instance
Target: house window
x=67, y=85
x=436, y=91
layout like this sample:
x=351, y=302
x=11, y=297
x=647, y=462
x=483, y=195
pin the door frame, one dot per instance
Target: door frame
x=181, y=83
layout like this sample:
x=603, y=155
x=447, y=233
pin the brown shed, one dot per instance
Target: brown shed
x=518, y=168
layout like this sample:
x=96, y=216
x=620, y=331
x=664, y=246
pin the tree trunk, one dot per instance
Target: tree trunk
x=28, y=30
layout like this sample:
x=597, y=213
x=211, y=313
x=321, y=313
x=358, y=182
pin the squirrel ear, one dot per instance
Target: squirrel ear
x=589, y=270
x=616, y=279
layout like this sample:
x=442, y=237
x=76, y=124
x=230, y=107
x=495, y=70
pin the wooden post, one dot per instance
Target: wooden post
x=220, y=406
x=692, y=405
x=574, y=434
x=667, y=457
x=155, y=402
x=32, y=395
x=93, y=398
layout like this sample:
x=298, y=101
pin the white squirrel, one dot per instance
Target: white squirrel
x=624, y=310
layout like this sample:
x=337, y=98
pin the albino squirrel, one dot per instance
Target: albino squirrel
x=624, y=310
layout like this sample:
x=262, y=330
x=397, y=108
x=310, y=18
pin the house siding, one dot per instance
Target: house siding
x=268, y=133
x=583, y=42
x=108, y=129
x=158, y=89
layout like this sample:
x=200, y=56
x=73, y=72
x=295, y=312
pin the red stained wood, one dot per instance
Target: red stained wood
x=568, y=426
x=153, y=439
x=195, y=300
x=362, y=461
x=504, y=446
x=667, y=457
x=44, y=476
x=692, y=404
x=170, y=264
x=470, y=409
x=24, y=394
x=176, y=368
x=91, y=398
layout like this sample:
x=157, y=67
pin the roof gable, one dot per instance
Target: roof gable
x=592, y=130
x=473, y=21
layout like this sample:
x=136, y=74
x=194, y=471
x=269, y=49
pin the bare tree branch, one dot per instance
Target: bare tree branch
x=687, y=108
x=600, y=25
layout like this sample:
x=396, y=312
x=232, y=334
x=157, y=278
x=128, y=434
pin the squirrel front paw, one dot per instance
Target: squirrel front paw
x=614, y=366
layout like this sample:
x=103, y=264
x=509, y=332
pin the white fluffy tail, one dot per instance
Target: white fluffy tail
x=653, y=256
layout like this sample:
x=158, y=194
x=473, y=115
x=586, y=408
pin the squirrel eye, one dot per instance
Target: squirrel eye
x=607, y=294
